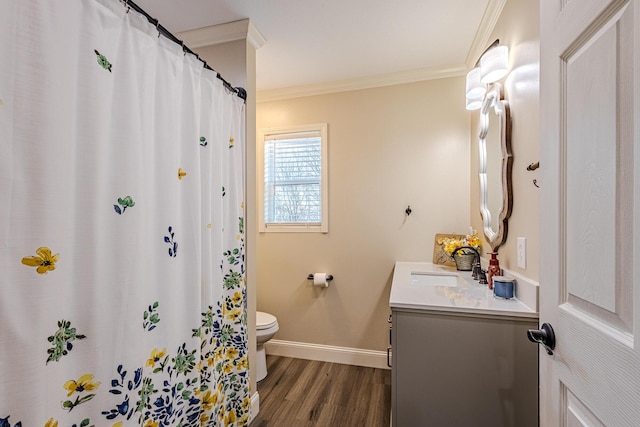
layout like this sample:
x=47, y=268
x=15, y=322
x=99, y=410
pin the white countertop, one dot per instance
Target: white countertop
x=463, y=296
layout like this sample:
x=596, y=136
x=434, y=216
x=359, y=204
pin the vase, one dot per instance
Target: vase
x=464, y=262
x=493, y=269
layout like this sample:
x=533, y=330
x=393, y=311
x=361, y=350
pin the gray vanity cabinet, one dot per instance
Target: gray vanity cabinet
x=457, y=369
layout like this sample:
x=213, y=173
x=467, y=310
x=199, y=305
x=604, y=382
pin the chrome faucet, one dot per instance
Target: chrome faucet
x=482, y=276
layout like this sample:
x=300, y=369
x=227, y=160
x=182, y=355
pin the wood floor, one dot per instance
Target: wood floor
x=301, y=393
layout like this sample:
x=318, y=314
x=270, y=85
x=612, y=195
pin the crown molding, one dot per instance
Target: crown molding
x=223, y=33
x=345, y=85
x=486, y=27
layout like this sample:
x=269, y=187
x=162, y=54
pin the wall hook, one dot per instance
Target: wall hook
x=408, y=210
x=533, y=166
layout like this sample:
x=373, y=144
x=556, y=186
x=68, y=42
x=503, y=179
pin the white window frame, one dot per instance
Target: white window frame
x=321, y=227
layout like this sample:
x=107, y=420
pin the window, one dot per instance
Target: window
x=292, y=179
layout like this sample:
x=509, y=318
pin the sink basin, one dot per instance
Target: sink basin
x=433, y=278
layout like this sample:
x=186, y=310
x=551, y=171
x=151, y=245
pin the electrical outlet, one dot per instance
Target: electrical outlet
x=522, y=252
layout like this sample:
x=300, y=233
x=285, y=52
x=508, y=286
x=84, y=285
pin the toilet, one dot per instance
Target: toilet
x=266, y=328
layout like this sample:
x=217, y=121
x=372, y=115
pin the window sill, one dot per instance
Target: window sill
x=294, y=228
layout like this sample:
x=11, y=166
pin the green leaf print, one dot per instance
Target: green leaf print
x=62, y=341
x=102, y=60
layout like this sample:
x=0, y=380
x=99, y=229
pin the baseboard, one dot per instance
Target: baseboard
x=255, y=406
x=328, y=353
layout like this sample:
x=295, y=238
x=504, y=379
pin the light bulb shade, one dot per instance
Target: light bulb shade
x=475, y=88
x=494, y=64
x=474, y=103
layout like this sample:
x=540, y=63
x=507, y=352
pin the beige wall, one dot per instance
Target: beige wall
x=518, y=29
x=389, y=148
x=229, y=59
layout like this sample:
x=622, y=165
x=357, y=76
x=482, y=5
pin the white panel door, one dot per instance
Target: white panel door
x=590, y=212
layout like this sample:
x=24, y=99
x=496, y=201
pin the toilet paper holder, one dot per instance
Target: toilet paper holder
x=329, y=277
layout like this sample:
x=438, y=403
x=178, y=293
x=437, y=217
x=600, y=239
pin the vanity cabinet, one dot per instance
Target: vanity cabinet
x=463, y=369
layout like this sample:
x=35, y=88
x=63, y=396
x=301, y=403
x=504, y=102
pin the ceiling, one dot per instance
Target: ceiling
x=340, y=44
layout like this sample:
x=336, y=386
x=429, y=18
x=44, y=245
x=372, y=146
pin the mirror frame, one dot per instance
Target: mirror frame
x=494, y=98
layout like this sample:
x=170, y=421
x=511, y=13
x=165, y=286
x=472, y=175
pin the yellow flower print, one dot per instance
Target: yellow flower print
x=231, y=141
x=246, y=402
x=234, y=315
x=232, y=353
x=230, y=419
x=208, y=400
x=155, y=356
x=51, y=423
x=84, y=383
x=237, y=298
x=228, y=368
x=181, y=173
x=44, y=261
x=118, y=424
x=204, y=418
x=217, y=354
x=151, y=423
x=242, y=363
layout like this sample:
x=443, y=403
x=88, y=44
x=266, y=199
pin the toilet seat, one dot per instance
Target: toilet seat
x=265, y=320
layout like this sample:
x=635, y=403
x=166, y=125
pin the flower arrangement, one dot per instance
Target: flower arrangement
x=450, y=244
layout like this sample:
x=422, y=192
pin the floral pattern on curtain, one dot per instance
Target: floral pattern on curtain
x=122, y=294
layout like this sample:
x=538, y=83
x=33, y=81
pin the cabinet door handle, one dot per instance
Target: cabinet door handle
x=389, y=356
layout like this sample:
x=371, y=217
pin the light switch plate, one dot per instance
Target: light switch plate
x=522, y=252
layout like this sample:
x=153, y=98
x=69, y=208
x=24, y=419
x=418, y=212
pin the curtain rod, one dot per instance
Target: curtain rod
x=162, y=30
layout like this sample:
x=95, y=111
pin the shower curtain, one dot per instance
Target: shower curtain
x=122, y=281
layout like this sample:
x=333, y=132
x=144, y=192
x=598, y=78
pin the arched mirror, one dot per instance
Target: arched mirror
x=495, y=166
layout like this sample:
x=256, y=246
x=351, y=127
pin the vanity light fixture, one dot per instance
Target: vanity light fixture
x=494, y=64
x=475, y=89
x=474, y=104
x=491, y=67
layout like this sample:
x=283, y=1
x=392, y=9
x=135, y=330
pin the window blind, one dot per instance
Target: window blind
x=293, y=177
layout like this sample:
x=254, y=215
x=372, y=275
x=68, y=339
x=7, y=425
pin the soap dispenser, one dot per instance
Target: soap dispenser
x=493, y=269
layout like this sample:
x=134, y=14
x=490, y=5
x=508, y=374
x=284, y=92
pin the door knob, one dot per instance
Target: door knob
x=544, y=336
